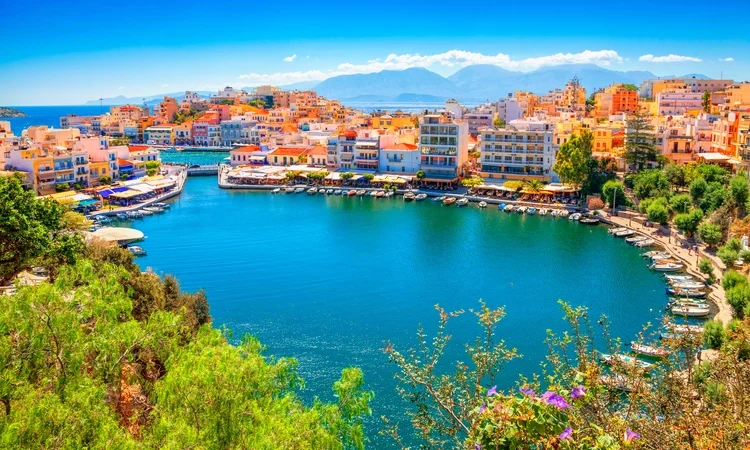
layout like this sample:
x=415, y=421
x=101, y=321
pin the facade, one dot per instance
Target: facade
x=159, y=135
x=523, y=150
x=233, y=131
x=444, y=148
x=399, y=158
x=677, y=102
x=246, y=155
x=478, y=120
x=509, y=109
x=287, y=156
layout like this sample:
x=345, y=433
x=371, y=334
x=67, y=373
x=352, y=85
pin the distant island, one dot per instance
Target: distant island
x=10, y=112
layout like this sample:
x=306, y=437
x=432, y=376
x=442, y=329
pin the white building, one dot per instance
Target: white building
x=452, y=106
x=676, y=102
x=444, y=148
x=523, y=150
x=399, y=158
x=509, y=109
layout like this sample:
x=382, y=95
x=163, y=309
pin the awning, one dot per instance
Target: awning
x=714, y=157
x=88, y=202
x=119, y=189
x=142, y=187
x=126, y=194
x=81, y=197
x=105, y=193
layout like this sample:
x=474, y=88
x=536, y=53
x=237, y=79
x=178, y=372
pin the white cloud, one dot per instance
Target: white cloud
x=726, y=59
x=451, y=58
x=290, y=58
x=121, y=88
x=164, y=85
x=668, y=59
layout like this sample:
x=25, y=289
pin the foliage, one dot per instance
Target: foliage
x=105, y=179
x=499, y=123
x=714, y=334
x=706, y=268
x=688, y=223
x=257, y=103
x=120, y=140
x=573, y=159
x=711, y=173
x=738, y=189
x=318, y=176
x=32, y=231
x=420, y=174
x=681, y=203
x=346, y=176
x=732, y=278
x=651, y=183
x=658, y=213
x=368, y=176
x=709, y=233
x=151, y=172
x=472, y=182
x=533, y=186
x=640, y=148
x=739, y=298
x=647, y=203
x=595, y=203
x=675, y=173
x=698, y=189
x=153, y=164
x=614, y=193
x=713, y=198
x=226, y=101
x=62, y=187
x=706, y=100
x=630, y=87
x=183, y=116
x=730, y=251
x=514, y=184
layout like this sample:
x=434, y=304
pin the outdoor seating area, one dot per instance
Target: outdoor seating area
x=550, y=194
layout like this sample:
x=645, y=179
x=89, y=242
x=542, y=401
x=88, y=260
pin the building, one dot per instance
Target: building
x=616, y=99
x=143, y=153
x=234, y=131
x=249, y=154
x=523, y=150
x=478, y=120
x=399, y=158
x=509, y=109
x=167, y=109
x=124, y=113
x=317, y=156
x=678, y=102
x=444, y=148
x=288, y=156
x=453, y=107
x=159, y=135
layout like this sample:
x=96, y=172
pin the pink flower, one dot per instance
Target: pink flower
x=631, y=435
x=577, y=392
x=566, y=434
x=477, y=447
x=483, y=408
x=553, y=399
x=528, y=392
x=492, y=391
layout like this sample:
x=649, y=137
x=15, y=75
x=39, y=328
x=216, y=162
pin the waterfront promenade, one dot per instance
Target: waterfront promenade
x=181, y=178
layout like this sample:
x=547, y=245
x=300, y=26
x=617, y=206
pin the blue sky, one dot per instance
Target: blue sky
x=67, y=53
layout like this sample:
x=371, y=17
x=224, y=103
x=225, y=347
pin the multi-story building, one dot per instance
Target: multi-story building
x=249, y=154
x=345, y=149
x=143, y=153
x=159, y=135
x=167, y=109
x=399, y=158
x=124, y=113
x=677, y=102
x=444, y=148
x=677, y=143
x=523, y=150
x=478, y=120
x=616, y=99
x=232, y=130
x=287, y=156
x=183, y=133
x=509, y=109
x=453, y=107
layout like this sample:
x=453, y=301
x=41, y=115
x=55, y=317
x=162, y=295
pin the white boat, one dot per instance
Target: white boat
x=389, y=194
x=420, y=197
x=299, y=190
x=337, y=192
x=625, y=233
x=543, y=211
x=671, y=277
x=449, y=201
x=482, y=204
x=575, y=216
x=508, y=208
x=645, y=243
x=555, y=213
x=361, y=192
x=372, y=193
x=289, y=190
x=312, y=191
x=564, y=213
x=462, y=202
x=648, y=350
x=625, y=359
x=616, y=230
x=688, y=293
x=276, y=191
x=687, y=284
x=104, y=219
x=379, y=194
x=329, y=191
x=438, y=199
x=154, y=209
x=409, y=196
x=668, y=267
x=634, y=239
x=685, y=302
x=521, y=209
x=162, y=205
x=531, y=211
x=685, y=329
x=136, y=250
x=656, y=254
x=690, y=311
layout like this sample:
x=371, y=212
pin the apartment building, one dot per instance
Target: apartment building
x=678, y=101
x=523, y=150
x=444, y=148
x=399, y=158
x=159, y=135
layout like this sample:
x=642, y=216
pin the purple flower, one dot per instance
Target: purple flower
x=483, y=408
x=477, y=447
x=631, y=435
x=528, y=392
x=492, y=391
x=577, y=392
x=566, y=434
x=553, y=399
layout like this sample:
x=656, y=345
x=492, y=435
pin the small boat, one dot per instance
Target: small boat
x=657, y=255
x=146, y=212
x=329, y=191
x=372, y=193
x=136, y=250
x=634, y=239
x=462, y=202
x=449, y=201
x=543, y=212
x=645, y=243
x=688, y=293
x=668, y=267
x=379, y=194
x=276, y=191
x=619, y=382
x=690, y=311
x=154, y=209
x=162, y=205
x=521, y=209
x=625, y=359
x=685, y=329
x=575, y=216
x=589, y=221
x=648, y=350
x=482, y=204
x=361, y=192
x=686, y=303
x=671, y=277
x=438, y=199
x=351, y=193
x=93, y=228
x=312, y=191
x=420, y=197
x=409, y=196
x=134, y=214
x=122, y=216
x=103, y=219
x=337, y=192
x=299, y=190
x=389, y=194
x=687, y=284
x=616, y=230
x=625, y=233
x=289, y=190
x=508, y=208
x=564, y=213
x=531, y=211
x=501, y=206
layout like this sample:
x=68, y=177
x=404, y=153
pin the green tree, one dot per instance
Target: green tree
x=62, y=187
x=730, y=252
x=614, y=193
x=675, y=173
x=105, y=179
x=534, y=186
x=153, y=164
x=346, y=176
x=732, y=278
x=420, y=175
x=658, y=213
x=689, y=223
x=368, y=176
x=32, y=230
x=706, y=268
x=573, y=159
x=738, y=189
x=119, y=140
x=257, y=103
x=698, y=188
x=640, y=148
x=712, y=173
x=738, y=298
x=681, y=203
x=472, y=182
x=499, y=123
x=516, y=185
x=714, y=334
x=651, y=183
x=706, y=101
x=710, y=234
x=714, y=197
x=630, y=87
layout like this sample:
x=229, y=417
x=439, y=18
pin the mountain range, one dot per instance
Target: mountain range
x=475, y=83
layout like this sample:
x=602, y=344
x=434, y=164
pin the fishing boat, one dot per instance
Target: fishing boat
x=671, y=277
x=312, y=191
x=501, y=206
x=438, y=199
x=521, y=209
x=690, y=311
x=134, y=214
x=372, y=193
x=289, y=190
x=648, y=350
x=616, y=230
x=337, y=192
x=276, y=191
x=299, y=190
x=575, y=216
x=482, y=204
x=351, y=193
x=449, y=201
x=634, y=239
x=379, y=194
x=543, y=212
x=329, y=191
x=508, y=208
x=361, y=192
x=136, y=250
x=687, y=284
x=462, y=202
x=389, y=194
x=645, y=243
x=589, y=221
x=624, y=233
x=409, y=196
x=564, y=213
x=103, y=219
x=154, y=209
x=685, y=329
x=668, y=267
x=656, y=254
x=625, y=359
x=122, y=216
x=531, y=211
x=555, y=213
x=686, y=303
x=420, y=197
x=146, y=212
x=162, y=205
x=688, y=293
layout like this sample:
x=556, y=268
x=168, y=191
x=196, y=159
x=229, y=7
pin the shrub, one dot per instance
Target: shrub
x=714, y=334
x=707, y=268
x=698, y=188
x=727, y=255
x=595, y=203
x=732, y=278
x=613, y=193
x=738, y=189
x=681, y=203
x=739, y=297
x=658, y=212
x=709, y=233
x=651, y=183
x=713, y=198
x=688, y=223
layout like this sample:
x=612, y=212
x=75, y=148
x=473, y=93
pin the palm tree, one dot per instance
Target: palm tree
x=534, y=186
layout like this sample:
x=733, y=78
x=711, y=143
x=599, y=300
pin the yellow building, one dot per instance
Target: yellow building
x=394, y=122
x=99, y=169
x=666, y=85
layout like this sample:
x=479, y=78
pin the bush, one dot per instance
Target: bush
x=744, y=255
x=733, y=278
x=681, y=203
x=707, y=268
x=595, y=203
x=738, y=189
x=688, y=223
x=698, y=188
x=651, y=183
x=713, y=198
x=739, y=297
x=658, y=213
x=613, y=191
x=714, y=334
x=728, y=256
x=709, y=233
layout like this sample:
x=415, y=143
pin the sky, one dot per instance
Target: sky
x=60, y=53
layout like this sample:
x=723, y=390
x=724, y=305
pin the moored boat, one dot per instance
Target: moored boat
x=136, y=250
x=543, y=212
x=624, y=233
x=656, y=254
x=438, y=199
x=380, y=194
x=420, y=197
x=688, y=293
x=575, y=216
x=103, y=219
x=462, y=202
x=672, y=277
x=690, y=311
x=372, y=193
x=329, y=191
x=276, y=191
x=409, y=196
x=361, y=192
x=589, y=221
x=482, y=204
x=299, y=190
x=337, y=192
x=648, y=350
x=146, y=212
x=522, y=209
x=634, y=239
x=645, y=243
x=389, y=194
x=162, y=205
x=122, y=216
x=449, y=201
x=508, y=208
x=616, y=230
x=531, y=211
x=289, y=190
x=312, y=191
x=351, y=192
x=625, y=359
x=668, y=267
x=687, y=284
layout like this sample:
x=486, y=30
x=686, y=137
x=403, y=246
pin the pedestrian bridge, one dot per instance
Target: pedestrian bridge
x=203, y=170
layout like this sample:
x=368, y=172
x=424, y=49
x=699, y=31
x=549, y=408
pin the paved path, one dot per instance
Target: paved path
x=672, y=245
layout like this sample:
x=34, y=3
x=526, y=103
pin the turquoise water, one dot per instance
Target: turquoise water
x=329, y=279
x=202, y=158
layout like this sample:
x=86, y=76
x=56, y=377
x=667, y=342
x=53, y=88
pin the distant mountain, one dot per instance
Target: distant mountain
x=388, y=83
x=150, y=99
x=485, y=81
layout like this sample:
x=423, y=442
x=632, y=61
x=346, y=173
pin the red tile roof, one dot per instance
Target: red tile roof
x=247, y=149
x=349, y=133
x=318, y=150
x=137, y=148
x=124, y=162
x=289, y=151
x=403, y=147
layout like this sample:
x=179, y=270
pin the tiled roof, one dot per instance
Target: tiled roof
x=403, y=147
x=289, y=151
x=137, y=148
x=247, y=149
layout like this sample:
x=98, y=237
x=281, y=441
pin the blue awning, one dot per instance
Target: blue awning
x=120, y=189
x=106, y=193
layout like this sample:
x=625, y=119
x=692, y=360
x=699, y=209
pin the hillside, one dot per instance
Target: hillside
x=388, y=83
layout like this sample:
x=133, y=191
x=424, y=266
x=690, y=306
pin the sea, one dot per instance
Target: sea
x=332, y=280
